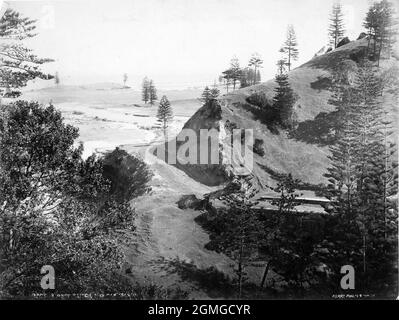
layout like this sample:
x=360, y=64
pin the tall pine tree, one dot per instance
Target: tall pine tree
x=165, y=113
x=206, y=95
x=152, y=92
x=290, y=47
x=336, y=29
x=18, y=64
x=381, y=25
x=255, y=62
x=363, y=177
x=283, y=102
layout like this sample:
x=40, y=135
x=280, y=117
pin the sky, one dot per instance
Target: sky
x=177, y=43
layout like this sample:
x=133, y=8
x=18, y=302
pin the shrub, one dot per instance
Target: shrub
x=263, y=110
x=128, y=175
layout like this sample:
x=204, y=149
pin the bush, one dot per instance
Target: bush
x=263, y=110
x=128, y=175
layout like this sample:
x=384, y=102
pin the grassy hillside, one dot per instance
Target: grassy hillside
x=303, y=158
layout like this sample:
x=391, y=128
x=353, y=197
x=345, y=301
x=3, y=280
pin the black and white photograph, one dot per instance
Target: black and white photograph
x=210, y=150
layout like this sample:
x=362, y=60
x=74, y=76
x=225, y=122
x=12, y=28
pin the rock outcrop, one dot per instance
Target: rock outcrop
x=362, y=35
x=343, y=42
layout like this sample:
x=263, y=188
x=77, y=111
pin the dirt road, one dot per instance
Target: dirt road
x=165, y=232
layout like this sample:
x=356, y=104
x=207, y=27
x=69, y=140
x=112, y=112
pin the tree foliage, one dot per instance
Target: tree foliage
x=289, y=47
x=165, y=113
x=18, y=64
x=152, y=91
x=145, y=92
x=336, y=29
x=59, y=209
x=381, y=25
x=283, y=103
x=363, y=178
x=256, y=62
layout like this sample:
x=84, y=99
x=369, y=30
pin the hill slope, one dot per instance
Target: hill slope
x=303, y=158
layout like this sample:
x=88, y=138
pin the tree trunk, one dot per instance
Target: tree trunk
x=262, y=283
x=368, y=42
x=379, y=54
x=364, y=261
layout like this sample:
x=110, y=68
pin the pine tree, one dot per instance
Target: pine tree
x=371, y=24
x=206, y=95
x=241, y=233
x=362, y=175
x=235, y=71
x=145, y=92
x=246, y=77
x=386, y=32
x=382, y=28
x=153, y=92
x=336, y=28
x=290, y=47
x=165, y=113
x=272, y=236
x=283, y=102
x=281, y=66
x=17, y=63
x=227, y=77
x=214, y=92
x=256, y=62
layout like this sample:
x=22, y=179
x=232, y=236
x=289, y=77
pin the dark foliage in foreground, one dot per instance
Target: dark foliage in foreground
x=58, y=209
x=306, y=250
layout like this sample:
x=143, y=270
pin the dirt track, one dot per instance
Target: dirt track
x=166, y=232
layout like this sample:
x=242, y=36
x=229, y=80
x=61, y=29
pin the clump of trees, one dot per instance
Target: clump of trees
x=247, y=76
x=308, y=250
x=148, y=91
x=238, y=238
x=381, y=26
x=282, y=239
x=363, y=178
x=256, y=63
x=209, y=94
x=59, y=209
